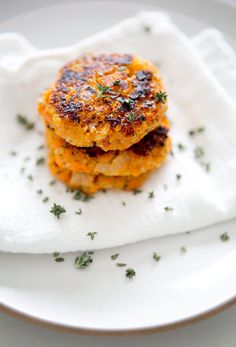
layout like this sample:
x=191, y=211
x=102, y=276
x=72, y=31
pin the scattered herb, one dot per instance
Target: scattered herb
x=79, y=211
x=198, y=152
x=22, y=170
x=193, y=132
x=178, y=177
x=114, y=256
x=168, y=209
x=156, y=256
x=91, y=235
x=102, y=91
x=123, y=203
x=121, y=264
x=56, y=254
x=82, y=261
x=206, y=166
x=40, y=147
x=57, y=210
x=225, y=237
x=39, y=191
x=147, y=29
x=40, y=161
x=130, y=273
x=151, y=195
x=13, y=153
x=131, y=117
x=45, y=199
x=183, y=250
x=161, y=97
x=181, y=147
x=22, y=120
x=116, y=83
x=137, y=191
x=82, y=197
x=52, y=182
x=30, y=177
x=59, y=259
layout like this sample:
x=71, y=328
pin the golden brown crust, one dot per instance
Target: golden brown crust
x=90, y=184
x=107, y=100
x=141, y=157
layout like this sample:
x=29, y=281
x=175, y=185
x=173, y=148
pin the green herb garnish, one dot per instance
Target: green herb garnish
x=40, y=161
x=151, y=195
x=130, y=273
x=102, y=91
x=137, y=191
x=51, y=183
x=206, y=166
x=156, y=256
x=39, y=191
x=114, y=256
x=198, y=152
x=116, y=83
x=83, y=260
x=131, y=117
x=181, y=147
x=22, y=120
x=30, y=177
x=178, y=177
x=168, y=208
x=45, y=199
x=82, y=197
x=161, y=97
x=121, y=264
x=225, y=237
x=56, y=254
x=79, y=211
x=57, y=210
x=193, y=132
x=13, y=153
x=91, y=235
x=183, y=250
x=59, y=259
x=123, y=203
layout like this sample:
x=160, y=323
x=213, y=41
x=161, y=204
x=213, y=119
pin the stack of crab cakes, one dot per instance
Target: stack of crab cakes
x=105, y=122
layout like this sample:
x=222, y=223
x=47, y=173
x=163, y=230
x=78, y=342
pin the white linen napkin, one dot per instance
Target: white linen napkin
x=206, y=192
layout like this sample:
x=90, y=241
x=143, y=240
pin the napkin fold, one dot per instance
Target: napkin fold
x=196, y=187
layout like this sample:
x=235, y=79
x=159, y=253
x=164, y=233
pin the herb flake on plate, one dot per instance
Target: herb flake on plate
x=82, y=261
x=57, y=210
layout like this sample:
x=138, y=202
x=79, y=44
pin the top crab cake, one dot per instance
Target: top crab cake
x=110, y=101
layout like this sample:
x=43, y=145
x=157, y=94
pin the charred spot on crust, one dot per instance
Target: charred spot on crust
x=93, y=152
x=156, y=137
x=144, y=75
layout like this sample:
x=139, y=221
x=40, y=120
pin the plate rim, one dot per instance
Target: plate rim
x=44, y=323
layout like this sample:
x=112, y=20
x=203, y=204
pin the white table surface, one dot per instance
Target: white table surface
x=218, y=331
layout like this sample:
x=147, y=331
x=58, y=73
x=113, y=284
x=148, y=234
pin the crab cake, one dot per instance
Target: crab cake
x=141, y=157
x=110, y=101
x=90, y=184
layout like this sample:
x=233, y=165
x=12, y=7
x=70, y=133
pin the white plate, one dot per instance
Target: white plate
x=182, y=287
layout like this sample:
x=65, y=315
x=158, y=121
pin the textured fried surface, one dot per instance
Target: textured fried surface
x=108, y=101
x=141, y=157
x=90, y=184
